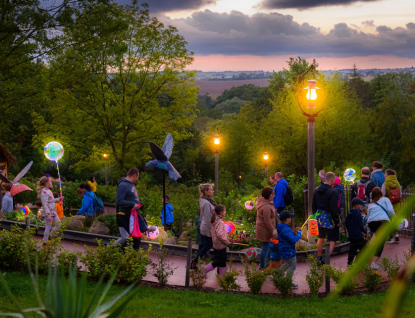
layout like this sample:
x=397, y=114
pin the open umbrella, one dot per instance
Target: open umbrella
x=18, y=187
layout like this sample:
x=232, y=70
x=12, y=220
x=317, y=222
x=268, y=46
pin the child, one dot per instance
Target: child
x=274, y=253
x=219, y=239
x=58, y=205
x=169, y=214
x=355, y=228
x=38, y=206
x=287, y=241
x=7, y=202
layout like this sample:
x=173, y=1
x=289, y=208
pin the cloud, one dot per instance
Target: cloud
x=369, y=23
x=175, y=5
x=306, y=4
x=267, y=34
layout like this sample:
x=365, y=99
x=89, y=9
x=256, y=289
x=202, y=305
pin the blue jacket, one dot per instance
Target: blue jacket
x=280, y=189
x=378, y=178
x=7, y=203
x=287, y=240
x=169, y=214
x=87, y=204
x=126, y=196
x=354, y=224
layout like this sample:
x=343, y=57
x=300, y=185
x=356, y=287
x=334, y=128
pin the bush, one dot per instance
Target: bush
x=110, y=220
x=282, y=281
x=254, y=277
x=316, y=275
x=162, y=269
x=228, y=281
x=337, y=275
x=391, y=266
x=197, y=275
x=68, y=261
x=372, y=278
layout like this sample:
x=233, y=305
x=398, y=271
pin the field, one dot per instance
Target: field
x=215, y=88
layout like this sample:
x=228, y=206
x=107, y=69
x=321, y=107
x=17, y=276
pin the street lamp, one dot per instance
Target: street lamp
x=106, y=172
x=266, y=158
x=216, y=142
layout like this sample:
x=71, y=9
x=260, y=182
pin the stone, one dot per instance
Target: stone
x=183, y=236
x=74, y=224
x=99, y=228
x=172, y=241
x=2, y=216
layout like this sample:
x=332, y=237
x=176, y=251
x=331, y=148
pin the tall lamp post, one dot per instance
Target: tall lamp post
x=216, y=142
x=266, y=158
x=106, y=172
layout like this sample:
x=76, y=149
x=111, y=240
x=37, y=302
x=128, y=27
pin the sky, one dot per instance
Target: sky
x=263, y=34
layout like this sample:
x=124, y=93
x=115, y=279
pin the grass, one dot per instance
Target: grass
x=154, y=302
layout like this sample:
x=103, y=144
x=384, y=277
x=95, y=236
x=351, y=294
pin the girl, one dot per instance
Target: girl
x=48, y=203
x=219, y=239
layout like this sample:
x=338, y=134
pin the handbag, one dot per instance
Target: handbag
x=383, y=210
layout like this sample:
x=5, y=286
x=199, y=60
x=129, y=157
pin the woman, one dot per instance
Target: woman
x=266, y=222
x=393, y=191
x=379, y=212
x=48, y=203
x=93, y=184
x=206, y=209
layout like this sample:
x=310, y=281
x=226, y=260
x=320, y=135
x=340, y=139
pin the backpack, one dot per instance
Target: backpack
x=361, y=191
x=288, y=196
x=395, y=195
x=97, y=204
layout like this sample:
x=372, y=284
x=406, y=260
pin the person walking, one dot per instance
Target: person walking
x=393, y=191
x=380, y=211
x=339, y=187
x=325, y=202
x=206, y=209
x=280, y=189
x=265, y=222
x=355, y=229
x=92, y=182
x=377, y=176
x=362, y=189
x=7, y=201
x=322, y=176
x=87, y=207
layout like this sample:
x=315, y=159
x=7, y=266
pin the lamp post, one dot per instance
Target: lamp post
x=216, y=142
x=266, y=158
x=106, y=172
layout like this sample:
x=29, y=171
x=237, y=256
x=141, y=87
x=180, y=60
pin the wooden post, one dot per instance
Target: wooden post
x=189, y=260
x=27, y=223
x=327, y=252
x=181, y=224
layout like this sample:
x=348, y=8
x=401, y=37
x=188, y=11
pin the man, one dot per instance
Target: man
x=377, y=176
x=126, y=200
x=362, y=189
x=322, y=176
x=325, y=202
x=280, y=189
x=7, y=201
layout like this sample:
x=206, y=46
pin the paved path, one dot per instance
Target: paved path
x=179, y=263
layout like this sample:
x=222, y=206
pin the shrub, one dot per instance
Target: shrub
x=337, y=274
x=45, y=253
x=228, y=281
x=391, y=266
x=282, y=281
x=372, y=278
x=197, y=275
x=110, y=220
x=162, y=269
x=316, y=275
x=254, y=277
x=68, y=260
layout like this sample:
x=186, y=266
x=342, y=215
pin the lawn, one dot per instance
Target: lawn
x=154, y=302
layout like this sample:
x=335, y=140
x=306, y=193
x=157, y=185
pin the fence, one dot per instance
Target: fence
x=406, y=195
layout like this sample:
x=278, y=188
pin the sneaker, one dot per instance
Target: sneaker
x=193, y=265
x=374, y=266
x=294, y=287
x=397, y=238
x=392, y=241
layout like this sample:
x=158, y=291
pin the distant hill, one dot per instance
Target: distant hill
x=215, y=88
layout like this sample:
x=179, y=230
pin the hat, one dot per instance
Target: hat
x=285, y=215
x=338, y=181
x=357, y=201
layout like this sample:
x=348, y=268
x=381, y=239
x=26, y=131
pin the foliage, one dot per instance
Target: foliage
x=110, y=221
x=371, y=278
x=254, y=277
x=315, y=276
x=391, y=266
x=282, y=280
x=246, y=92
x=228, y=280
x=163, y=269
x=337, y=274
x=67, y=261
x=198, y=275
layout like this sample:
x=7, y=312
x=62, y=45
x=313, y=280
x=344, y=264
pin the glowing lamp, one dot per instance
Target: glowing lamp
x=266, y=157
x=105, y=156
x=311, y=93
x=216, y=140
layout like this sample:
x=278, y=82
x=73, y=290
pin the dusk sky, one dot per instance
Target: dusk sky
x=262, y=34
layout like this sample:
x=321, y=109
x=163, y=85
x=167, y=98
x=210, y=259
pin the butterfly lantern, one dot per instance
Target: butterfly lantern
x=17, y=187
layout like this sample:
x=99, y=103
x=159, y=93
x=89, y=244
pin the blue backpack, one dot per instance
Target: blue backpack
x=97, y=204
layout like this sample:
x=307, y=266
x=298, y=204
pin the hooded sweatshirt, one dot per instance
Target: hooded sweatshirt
x=87, y=204
x=391, y=182
x=287, y=240
x=265, y=219
x=354, y=224
x=218, y=232
x=325, y=199
x=378, y=177
x=280, y=190
x=126, y=196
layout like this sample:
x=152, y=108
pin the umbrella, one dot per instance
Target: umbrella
x=18, y=187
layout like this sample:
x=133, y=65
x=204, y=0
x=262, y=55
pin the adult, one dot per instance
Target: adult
x=93, y=184
x=392, y=190
x=206, y=209
x=377, y=175
x=380, y=211
x=87, y=207
x=362, y=189
x=280, y=189
x=7, y=201
x=339, y=187
x=266, y=222
x=48, y=204
x=126, y=200
x=325, y=202
x=322, y=176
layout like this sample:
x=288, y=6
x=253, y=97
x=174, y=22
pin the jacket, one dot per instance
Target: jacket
x=325, y=198
x=48, y=202
x=87, y=207
x=287, y=241
x=265, y=219
x=378, y=177
x=206, y=211
x=218, y=232
x=7, y=203
x=369, y=188
x=390, y=183
x=280, y=190
x=126, y=196
x=354, y=224
x=376, y=213
x=169, y=214
x=93, y=186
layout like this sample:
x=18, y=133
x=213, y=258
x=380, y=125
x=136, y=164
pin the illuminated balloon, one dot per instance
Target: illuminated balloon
x=53, y=151
x=153, y=235
x=25, y=210
x=230, y=227
x=349, y=175
x=249, y=205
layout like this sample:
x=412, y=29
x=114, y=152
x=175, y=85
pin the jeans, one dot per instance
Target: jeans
x=290, y=265
x=48, y=226
x=355, y=244
x=124, y=237
x=205, y=247
x=264, y=254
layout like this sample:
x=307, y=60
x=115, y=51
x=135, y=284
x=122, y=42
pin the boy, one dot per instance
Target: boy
x=39, y=208
x=168, y=223
x=7, y=202
x=355, y=228
x=274, y=253
x=287, y=241
x=59, y=206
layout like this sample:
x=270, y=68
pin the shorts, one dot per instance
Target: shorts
x=333, y=235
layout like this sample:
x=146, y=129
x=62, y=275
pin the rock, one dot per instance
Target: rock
x=75, y=224
x=99, y=228
x=172, y=241
x=183, y=236
x=2, y=216
x=162, y=235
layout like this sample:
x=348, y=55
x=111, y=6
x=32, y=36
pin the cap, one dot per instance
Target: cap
x=285, y=215
x=357, y=201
